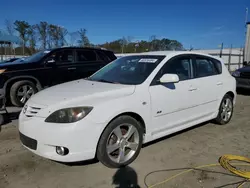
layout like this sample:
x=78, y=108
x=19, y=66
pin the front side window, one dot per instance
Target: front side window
x=132, y=70
x=63, y=56
x=204, y=67
x=179, y=66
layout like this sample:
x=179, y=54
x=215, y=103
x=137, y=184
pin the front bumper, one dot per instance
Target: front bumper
x=243, y=83
x=81, y=138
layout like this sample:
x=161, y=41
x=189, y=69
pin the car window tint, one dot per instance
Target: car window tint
x=63, y=56
x=85, y=55
x=204, y=68
x=218, y=66
x=179, y=66
x=103, y=57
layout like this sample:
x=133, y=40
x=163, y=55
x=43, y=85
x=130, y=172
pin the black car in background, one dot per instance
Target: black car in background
x=242, y=76
x=10, y=60
x=21, y=79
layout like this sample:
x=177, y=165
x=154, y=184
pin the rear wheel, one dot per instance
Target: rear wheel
x=21, y=91
x=225, y=111
x=120, y=142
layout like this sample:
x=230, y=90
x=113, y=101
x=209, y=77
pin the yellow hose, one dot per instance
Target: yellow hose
x=224, y=162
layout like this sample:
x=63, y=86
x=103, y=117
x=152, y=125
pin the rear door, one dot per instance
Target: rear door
x=209, y=84
x=87, y=62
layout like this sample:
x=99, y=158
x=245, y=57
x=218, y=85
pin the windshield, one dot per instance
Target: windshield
x=37, y=56
x=132, y=70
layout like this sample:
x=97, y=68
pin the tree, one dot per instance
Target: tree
x=10, y=28
x=22, y=28
x=123, y=43
x=62, y=34
x=32, y=38
x=73, y=37
x=152, y=39
x=84, y=41
x=42, y=28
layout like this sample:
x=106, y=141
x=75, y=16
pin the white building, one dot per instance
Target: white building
x=233, y=58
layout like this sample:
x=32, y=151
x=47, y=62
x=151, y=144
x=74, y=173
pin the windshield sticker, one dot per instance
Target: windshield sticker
x=148, y=60
x=46, y=52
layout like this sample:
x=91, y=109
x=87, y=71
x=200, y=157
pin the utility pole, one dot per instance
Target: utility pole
x=246, y=20
x=221, y=48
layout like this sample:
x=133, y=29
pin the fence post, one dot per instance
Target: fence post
x=221, y=48
x=229, y=58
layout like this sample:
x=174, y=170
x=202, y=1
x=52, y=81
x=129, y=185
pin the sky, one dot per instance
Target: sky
x=192, y=22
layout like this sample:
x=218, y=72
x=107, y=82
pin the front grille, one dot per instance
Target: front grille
x=28, y=142
x=31, y=111
x=245, y=75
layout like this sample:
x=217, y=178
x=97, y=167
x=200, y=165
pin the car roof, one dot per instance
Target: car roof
x=77, y=47
x=173, y=53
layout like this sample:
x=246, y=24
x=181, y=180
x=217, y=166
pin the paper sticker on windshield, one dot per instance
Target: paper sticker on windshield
x=148, y=60
x=46, y=51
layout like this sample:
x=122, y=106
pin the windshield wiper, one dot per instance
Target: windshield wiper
x=106, y=81
x=101, y=80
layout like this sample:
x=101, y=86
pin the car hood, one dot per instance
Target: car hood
x=15, y=63
x=80, y=91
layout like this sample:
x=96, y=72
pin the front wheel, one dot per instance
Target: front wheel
x=120, y=142
x=225, y=111
x=21, y=91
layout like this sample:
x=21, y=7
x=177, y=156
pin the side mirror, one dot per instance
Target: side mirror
x=169, y=78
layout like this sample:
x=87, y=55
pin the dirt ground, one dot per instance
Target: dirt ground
x=203, y=144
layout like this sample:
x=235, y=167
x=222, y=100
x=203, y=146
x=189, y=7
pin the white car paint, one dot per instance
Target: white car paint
x=189, y=103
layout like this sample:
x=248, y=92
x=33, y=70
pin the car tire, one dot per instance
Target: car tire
x=20, y=86
x=225, y=112
x=122, y=126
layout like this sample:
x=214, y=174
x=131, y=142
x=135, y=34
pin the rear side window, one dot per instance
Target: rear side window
x=85, y=55
x=110, y=55
x=218, y=66
x=103, y=56
x=204, y=67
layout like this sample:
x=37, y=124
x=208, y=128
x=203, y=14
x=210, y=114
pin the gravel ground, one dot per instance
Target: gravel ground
x=203, y=144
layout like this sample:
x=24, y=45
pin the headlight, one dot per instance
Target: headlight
x=68, y=115
x=2, y=71
x=236, y=74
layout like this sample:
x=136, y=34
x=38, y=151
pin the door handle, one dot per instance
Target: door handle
x=192, y=89
x=219, y=83
x=71, y=68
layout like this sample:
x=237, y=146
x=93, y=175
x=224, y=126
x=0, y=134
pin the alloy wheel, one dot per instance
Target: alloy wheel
x=227, y=108
x=24, y=93
x=122, y=143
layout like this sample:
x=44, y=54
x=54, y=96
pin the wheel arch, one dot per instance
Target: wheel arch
x=11, y=81
x=231, y=94
x=129, y=113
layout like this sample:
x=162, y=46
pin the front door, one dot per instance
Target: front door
x=64, y=68
x=172, y=104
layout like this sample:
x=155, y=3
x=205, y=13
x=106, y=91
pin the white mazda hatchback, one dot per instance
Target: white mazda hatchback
x=133, y=100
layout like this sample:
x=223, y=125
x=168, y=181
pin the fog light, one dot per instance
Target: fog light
x=61, y=150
